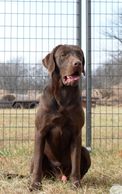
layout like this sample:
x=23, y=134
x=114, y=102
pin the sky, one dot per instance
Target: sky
x=31, y=28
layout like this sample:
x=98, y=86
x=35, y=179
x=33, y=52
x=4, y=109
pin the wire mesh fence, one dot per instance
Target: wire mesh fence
x=106, y=65
x=29, y=29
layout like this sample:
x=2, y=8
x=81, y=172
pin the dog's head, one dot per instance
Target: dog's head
x=67, y=61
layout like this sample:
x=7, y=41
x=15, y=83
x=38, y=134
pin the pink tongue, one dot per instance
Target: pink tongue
x=72, y=78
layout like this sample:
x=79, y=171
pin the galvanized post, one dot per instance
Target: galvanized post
x=78, y=28
x=88, y=75
x=78, y=20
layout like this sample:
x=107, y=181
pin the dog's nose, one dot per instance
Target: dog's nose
x=77, y=64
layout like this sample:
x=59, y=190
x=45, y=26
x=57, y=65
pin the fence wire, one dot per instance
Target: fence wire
x=106, y=54
x=29, y=29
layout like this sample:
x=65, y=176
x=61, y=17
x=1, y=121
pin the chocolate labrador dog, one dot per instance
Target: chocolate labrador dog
x=58, y=148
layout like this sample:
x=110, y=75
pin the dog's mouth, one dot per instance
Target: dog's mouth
x=71, y=79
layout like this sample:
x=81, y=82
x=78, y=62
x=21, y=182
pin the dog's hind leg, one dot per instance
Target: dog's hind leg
x=85, y=161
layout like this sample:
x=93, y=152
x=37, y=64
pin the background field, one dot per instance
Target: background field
x=16, y=145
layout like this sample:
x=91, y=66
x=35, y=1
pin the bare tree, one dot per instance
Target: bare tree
x=19, y=77
x=109, y=74
x=115, y=32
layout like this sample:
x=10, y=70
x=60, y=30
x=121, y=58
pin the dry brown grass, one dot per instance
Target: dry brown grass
x=18, y=125
x=105, y=171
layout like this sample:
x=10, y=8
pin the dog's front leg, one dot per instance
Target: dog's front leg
x=75, y=161
x=37, y=161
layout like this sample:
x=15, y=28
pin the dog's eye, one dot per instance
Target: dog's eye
x=63, y=55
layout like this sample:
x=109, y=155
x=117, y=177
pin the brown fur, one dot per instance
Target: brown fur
x=58, y=148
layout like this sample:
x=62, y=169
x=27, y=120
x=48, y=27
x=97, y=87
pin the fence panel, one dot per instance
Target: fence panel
x=29, y=29
x=106, y=67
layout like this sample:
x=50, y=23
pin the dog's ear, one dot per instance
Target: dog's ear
x=49, y=60
x=83, y=63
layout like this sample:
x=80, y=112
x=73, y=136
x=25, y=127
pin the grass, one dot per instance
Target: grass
x=105, y=171
x=107, y=127
x=16, y=147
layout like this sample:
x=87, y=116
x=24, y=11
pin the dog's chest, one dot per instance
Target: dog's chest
x=60, y=137
x=65, y=126
x=65, y=118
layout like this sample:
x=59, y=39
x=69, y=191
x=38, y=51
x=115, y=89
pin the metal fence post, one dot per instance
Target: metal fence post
x=88, y=74
x=79, y=20
x=79, y=31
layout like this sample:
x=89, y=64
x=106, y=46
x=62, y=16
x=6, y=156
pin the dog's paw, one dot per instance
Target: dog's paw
x=75, y=184
x=35, y=186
